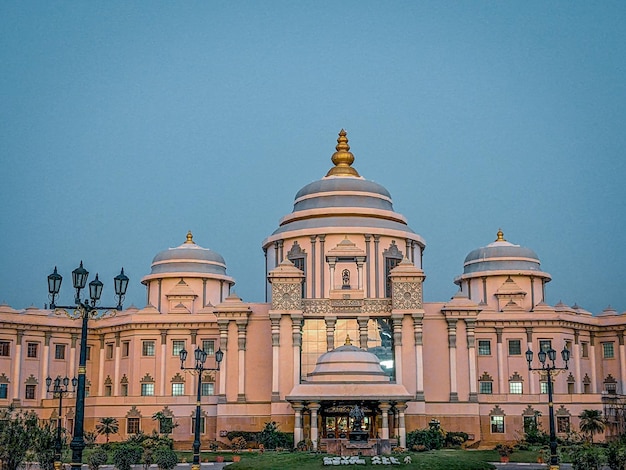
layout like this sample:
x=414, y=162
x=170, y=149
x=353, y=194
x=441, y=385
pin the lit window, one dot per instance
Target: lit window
x=562, y=424
x=147, y=348
x=59, y=351
x=515, y=347
x=32, y=350
x=193, y=425
x=543, y=387
x=485, y=387
x=4, y=390
x=208, y=346
x=178, y=389
x=132, y=426
x=4, y=348
x=207, y=389
x=484, y=347
x=30, y=392
x=608, y=351
x=515, y=388
x=497, y=424
x=147, y=390
x=178, y=346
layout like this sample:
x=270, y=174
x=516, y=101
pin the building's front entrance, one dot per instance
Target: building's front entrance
x=337, y=423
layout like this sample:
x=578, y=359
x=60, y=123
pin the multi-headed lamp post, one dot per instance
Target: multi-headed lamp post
x=60, y=388
x=84, y=309
x=549, y=370
x=200, y=358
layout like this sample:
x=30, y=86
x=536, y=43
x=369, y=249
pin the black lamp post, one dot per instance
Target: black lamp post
x=84, y=309
x=200, y=358
x=59, y=389
x=549, y=369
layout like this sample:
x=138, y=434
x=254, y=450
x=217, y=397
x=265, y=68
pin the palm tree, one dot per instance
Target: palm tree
x=591, y=422
x=107, y=426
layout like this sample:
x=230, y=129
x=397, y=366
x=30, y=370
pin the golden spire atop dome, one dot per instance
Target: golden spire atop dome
x=500, y=235
x=342, y=158
x=348, y=341
x=190, y=238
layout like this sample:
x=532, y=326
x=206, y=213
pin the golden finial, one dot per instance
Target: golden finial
x=342, y=158
x=500, y=236
x=190, y=238
x=348, y=341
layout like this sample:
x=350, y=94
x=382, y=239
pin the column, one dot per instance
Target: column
x=576, y=353
x=384, y=410
x=314, y=407
x=241, y=344
x=330, y=332
x=297, y=427
x=223, y=327
x=322, y=270
x=73, y=339
x=331, y=272
x=419, y=355
x=454, y=395
x=376, y=272
x=529, y=345
x=396, y=320
x=296, y=335
x=275, y=324
x=401, y=407
x=159, y=281
x=359, y=268
x=470, y=325
x=45, y=362
x=101, y=367
x=204, y=279
x=313, y=263
x=408, y=249
x=413, y=252
x=622, y=362
x=532, y=293
x=363, y=321
x=592, y=357
x=17, y=365
x=163, y=362
x=280, y=251
x=276, y=262
x=500, y=360
x=368, y=275
x=484, y=290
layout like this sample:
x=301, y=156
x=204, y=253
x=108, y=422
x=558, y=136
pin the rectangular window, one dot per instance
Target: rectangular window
x=568, y=346
x=610, y=387
x=585, y=349
x=87, y=391
x=177, y=347
x=4, y=348
x=124, y=390
x=562, y=424
x=88, y=353
x=608, y=351
x=30, y=392
x=178, y=389
x=132, y=426
x=59, y=351
x=147, y=348
x=193, y=425
x=208, y=346
x=545, y=345
x=108, y=390
x=32, y=349
x=530, y=423
x=484, y=347
x=125, y=348
x=497, y=424
x=515, y=347
x=109, y=351
x=4, y=390
x=147, y=390
x=166, y=424
x=570, y=387
x=515, y=388
x=485, y=387
x=586, y=388
x=543, y=387
x=208, y=389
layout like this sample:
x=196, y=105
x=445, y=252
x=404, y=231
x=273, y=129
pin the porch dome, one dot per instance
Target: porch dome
x=348, y=363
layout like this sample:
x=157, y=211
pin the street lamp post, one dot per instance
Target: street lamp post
x=200, y=358
x=549, y=370
x=60, y=388
x=84, y=309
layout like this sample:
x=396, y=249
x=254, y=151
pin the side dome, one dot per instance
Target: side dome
x=343, y=198
x=188, y=258
x=501, y=255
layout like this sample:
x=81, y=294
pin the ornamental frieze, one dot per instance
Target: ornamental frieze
x=407, y=295
x=326, y=306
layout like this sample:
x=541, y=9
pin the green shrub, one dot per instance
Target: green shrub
x=98, y=457
x=586, y=457
x=126, y=455
x=456, y=438
x=431, y=439
x=165, y=458
x=272, y=438
x=247, y=435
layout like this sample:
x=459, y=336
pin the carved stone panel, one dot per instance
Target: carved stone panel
x=286, y=296
x=407, y=295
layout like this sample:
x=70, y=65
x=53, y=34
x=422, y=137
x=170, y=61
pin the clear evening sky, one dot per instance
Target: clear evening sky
x=126, y=124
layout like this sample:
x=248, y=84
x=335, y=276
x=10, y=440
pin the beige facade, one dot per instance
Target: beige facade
x=346, y=326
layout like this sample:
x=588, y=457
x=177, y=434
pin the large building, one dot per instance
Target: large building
x=346, y=326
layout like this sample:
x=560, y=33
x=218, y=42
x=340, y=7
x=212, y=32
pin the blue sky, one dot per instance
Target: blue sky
x=125, y=124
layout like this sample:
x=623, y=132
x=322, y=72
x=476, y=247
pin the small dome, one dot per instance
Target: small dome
x=501, y=256
x=188, y=257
